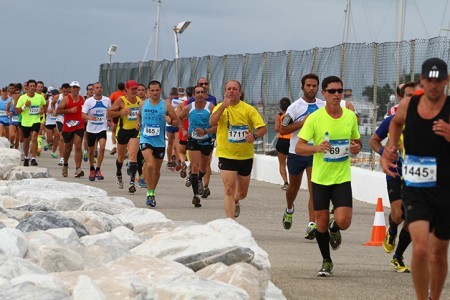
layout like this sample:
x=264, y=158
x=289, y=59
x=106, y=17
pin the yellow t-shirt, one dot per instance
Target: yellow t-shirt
x=234, y=123
x=31, y=115
x=332, y=167
x=129, y=121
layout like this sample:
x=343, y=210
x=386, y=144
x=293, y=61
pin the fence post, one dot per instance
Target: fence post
x=264, y=100
x=413, y=58
x=208, y=74
x=288, y=75
x=314, y=70
x=342, y=73
x=374, y=99
x=244, y=71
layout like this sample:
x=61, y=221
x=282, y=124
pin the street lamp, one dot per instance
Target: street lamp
x=179, y=29
x=112, y=50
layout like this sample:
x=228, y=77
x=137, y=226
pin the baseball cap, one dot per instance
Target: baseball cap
x=131, y=84
x=75, y=83
x=434, y=68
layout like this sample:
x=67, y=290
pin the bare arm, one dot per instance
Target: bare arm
x=116, y=109
x=215, y=117
x=62, y=108
x=375, y=142
x=302, y=147
x=277, y=124
x=173, y=121
x=287, y=128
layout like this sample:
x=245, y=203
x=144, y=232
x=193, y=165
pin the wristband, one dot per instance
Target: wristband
x=255, y=136
x=381, y=150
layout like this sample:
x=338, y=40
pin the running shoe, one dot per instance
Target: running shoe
x=151, y=201
x=54, y=155
x=183, y=170
x=206, y=192
x=142, y=183
x=398, y=264
x=33, y=162
x=285, y=186
x=327, y=268
x=335, y=237
x=61, y=162
x=78, y=173
x=65, y=171
x=85, y=156
x=196, y=201
x=26, y=162
x=178, y=166
x=237, y=210
x=99, y=175
x=132, y=188
x=201, y=189
x=120, y=182
x=46, y=147
x=287, y=220
x=311, y=231
x=113, y=151
x=92, y=175
x=188, y=181
x=389, y=241
x=38, y=152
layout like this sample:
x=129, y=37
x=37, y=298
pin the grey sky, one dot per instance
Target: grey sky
x=59, y=41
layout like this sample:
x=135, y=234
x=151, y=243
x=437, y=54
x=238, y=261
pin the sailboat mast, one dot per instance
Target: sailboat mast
x=347, y=21
x=157, y=30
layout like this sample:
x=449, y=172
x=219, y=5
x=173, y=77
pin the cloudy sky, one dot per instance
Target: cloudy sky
x=59, y=40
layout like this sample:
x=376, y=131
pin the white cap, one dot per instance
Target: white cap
x=75, y=83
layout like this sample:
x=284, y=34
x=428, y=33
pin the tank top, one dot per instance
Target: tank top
x=129, y=121
x=280, y=117
x=73, y=121
x=12, y=110
x=50, y=119
x=199, y=118
x=421, y=141
x=3, y=112
x=185, y=124
x=153, y=124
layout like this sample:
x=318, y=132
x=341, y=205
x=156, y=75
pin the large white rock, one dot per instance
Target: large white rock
x=58, y=259
x=9, y=158
x=142, y=218
x=4, y=143
x=41, y=280
x=128, y=237
x=20, y=173
x=30, y=291
x=16, y=266
x=102, y=248
x=85, y=289
x=128, y=277
x=13, y=242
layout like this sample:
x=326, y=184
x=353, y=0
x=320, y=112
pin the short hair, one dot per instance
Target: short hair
x=189, y=91
x=121, y=86
x=406, y=85
x=173, y=91
x=40, y=82
x=156, y=82
x=90, y=84
x=31, y=81
x=309, y=76
x=330, y=79
x=201, y=87
x=65, y=85
x=18, y=86
x=234, y=80
x=284, y=103
x=141, y=84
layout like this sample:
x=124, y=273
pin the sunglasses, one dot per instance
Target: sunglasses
x=203, y=83
x=333, y=91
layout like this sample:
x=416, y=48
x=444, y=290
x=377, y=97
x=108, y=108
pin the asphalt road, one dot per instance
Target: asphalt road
x=360, y=272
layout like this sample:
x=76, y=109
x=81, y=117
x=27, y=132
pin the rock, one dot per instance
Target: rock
x=274, y=293
x=16, y=266
x=58, y=259
x=227, y=256
x=127, y=237
x=48, y=220
x=13, y=242
x=29, y=291
x=4, y=143
x=102, y=248
x=41, y=280
x=142, y=218
x=20, y=173
x=9, y=159
x=94, y=221
x=85, y=289
x=242, y=275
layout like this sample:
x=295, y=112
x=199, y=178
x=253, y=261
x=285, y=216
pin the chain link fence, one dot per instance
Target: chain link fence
x=269, y=76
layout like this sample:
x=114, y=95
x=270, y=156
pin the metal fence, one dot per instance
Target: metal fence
x=267, y=77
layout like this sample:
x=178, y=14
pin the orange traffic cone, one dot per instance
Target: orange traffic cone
x=379, y=226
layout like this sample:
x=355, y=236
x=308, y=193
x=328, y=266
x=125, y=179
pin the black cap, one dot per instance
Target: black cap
x=434, y=68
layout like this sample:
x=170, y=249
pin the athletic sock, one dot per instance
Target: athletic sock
x=118, y=168
x=150, y=192
x=323, y=239
x=194, y=182
x=133, y=170
x=290, y=210
x=392, y=226
x=201, y=174
x=404, y=239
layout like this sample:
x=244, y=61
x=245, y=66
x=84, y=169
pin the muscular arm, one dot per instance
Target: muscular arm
x=171, y=113
x=62, y=107
x=115, y=110
x=375, y=142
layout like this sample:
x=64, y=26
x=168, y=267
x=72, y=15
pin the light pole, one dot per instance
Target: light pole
x=179, y=29
x=112, y=50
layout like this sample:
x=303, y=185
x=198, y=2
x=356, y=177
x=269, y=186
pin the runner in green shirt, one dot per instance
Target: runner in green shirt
x=334, y=133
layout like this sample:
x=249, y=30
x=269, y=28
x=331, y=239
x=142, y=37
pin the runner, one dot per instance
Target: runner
x=152, y=117
x=334, y=132
x=94, y=111
x=14, y=136
x=239, y=125
x=200, y=143
x=30, y=106
x=51, y=132
x=4, y=118
x=73, y=127
x=56, y=101
x=126, y=109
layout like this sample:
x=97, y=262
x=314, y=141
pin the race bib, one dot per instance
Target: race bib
x=196, y=136
x=34, y=110
x=99, y=119
x=132, y=114
x=14, y=118
x=72, y=123
x=236, y=134
x=2, y=113
x=419, y=171
x=152, y=130
x=339, y=151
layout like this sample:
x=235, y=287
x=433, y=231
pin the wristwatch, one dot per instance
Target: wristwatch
x=255, y=136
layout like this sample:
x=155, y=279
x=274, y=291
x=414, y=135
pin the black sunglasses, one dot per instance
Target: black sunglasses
x=333, y=91
x=203, y=83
